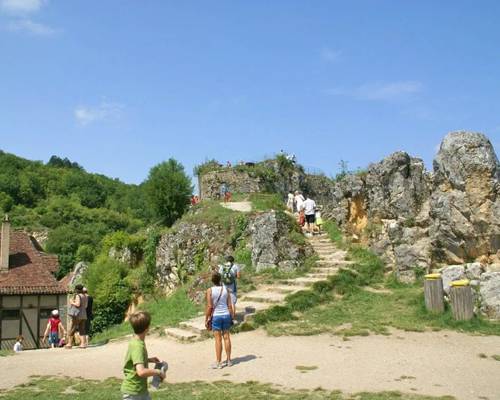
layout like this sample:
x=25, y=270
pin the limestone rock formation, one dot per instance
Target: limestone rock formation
x=413, y=218
x=465, y=203
x=271, y=246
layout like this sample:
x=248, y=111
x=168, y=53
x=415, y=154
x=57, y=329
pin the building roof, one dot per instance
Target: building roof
x=31, y=271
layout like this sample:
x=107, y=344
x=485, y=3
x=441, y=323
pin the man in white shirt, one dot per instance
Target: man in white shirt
x=310, y=213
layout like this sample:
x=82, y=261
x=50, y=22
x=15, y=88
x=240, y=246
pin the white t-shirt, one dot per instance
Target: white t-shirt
x=299, y=202
x=309, y=207
x=18, y=347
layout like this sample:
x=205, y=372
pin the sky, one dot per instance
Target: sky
x=121, y=85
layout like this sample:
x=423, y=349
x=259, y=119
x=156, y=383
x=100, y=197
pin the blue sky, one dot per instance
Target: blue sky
x=119, y=86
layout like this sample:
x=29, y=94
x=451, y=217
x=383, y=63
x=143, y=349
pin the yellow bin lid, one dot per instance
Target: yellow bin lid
x=432, y=276
x=461, y=282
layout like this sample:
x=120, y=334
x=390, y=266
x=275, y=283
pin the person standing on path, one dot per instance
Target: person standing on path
x=230, y=273
x=78, y=322
x=310, y=214
x=90, y=314
x=219, y=315
x=136, y=368
x=289, y=203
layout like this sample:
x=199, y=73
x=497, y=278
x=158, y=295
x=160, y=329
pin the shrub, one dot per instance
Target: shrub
x=105, y=280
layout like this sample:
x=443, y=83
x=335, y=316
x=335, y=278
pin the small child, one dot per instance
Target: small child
x=53, y=330
x=136, y=371
x=319, y=220
x=18, y=347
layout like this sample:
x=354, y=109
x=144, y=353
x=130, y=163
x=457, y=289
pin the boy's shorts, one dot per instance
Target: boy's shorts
x=54, y=338
x=221, y=322
x=310, y=219
x=145, y=396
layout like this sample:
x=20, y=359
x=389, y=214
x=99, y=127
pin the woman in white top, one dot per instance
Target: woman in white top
x=221, y=312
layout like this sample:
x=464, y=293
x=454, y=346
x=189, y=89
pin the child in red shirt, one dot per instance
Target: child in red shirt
x=54, y=327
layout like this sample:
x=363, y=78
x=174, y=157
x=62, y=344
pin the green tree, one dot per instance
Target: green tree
x=168, y=189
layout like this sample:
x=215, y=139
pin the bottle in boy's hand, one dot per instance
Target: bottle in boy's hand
x=163, y=367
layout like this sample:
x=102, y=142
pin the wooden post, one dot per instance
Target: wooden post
x=434, y=293
x=462, y=301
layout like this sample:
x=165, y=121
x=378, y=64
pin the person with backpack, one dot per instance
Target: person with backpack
x=230, y=272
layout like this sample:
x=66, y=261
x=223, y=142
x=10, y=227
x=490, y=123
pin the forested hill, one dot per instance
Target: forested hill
x=78, y=208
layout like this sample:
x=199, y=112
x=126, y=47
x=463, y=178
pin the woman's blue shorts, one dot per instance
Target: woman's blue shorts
x=221, y=322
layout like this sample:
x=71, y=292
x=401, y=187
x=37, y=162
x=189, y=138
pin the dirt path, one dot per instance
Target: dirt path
x=437, y=363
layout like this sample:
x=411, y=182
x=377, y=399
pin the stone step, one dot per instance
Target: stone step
x=328, y=271
x=195, y=325
x=334, y=262
x=264, y=296
x=285, y=289
x=318, y=276
x=306, y=281
x=182, y=334
x=251, y=307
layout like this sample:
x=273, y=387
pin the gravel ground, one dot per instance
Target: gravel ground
x=434, y=363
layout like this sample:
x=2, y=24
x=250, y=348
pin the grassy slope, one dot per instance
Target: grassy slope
x=166, y=311
x=343, y=306
x=178, y=307
x=55, y=388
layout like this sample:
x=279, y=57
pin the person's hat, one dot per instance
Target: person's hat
x=55, y=313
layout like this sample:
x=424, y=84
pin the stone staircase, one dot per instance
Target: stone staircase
x=265, y=296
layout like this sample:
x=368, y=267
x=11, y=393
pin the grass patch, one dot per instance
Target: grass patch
x=167, y=311
x=341, y=305
x=5, y=353
x=59, y=388
x=211, y=212
x=305, y=368
x=496, y=357
x=334, y=232
x=267, y=201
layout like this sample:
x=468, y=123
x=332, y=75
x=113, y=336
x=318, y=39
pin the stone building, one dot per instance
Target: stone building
x=29, y=290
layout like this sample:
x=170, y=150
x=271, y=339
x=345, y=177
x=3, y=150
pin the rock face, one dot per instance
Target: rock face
x=187, y=249
x=199, y=247
x=465, y=204
x=413, y=218
x=276, y=175
x=236, y=181
x=271, y=246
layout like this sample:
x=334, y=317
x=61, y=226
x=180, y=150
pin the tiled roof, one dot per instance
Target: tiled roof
x=30, y=270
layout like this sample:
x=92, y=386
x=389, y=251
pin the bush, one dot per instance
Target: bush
x=106, y=282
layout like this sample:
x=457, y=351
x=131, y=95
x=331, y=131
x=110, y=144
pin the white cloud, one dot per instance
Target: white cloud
x=103, y=112
x=330, y=55
x=31, y=27
x=381, y=91
x=21, y=6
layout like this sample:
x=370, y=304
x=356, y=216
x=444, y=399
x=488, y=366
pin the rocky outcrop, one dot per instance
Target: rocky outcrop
x=271, y=245
x=194, y=248
x=465, y=203
x=187, y=249
x=413, y=218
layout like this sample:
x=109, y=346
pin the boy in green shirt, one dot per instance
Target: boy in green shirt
x=136, y=371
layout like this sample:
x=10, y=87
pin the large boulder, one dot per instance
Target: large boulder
x=465, y=203
x=271, y=243
x=396, y=187
x=490, y=294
